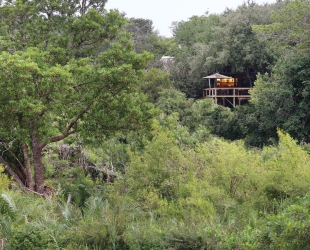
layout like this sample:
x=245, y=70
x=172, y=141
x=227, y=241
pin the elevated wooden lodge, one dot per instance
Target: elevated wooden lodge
x=226, y=90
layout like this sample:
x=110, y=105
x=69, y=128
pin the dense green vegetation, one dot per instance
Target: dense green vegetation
x=105, y=146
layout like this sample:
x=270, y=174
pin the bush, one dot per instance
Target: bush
x=289, y=229
x=32, y=237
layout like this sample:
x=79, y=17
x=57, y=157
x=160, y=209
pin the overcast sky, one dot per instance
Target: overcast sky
x=164, y=12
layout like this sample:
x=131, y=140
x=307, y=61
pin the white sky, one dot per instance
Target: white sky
x=164, y=12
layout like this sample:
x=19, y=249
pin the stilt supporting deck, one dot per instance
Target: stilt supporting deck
x=227, y=95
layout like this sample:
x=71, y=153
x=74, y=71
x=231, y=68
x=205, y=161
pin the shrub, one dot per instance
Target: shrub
x=31, y=237
x=289, y=229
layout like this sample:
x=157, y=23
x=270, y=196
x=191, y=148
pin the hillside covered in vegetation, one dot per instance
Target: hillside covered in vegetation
x=105, y=145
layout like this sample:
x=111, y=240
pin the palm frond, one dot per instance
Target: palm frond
x=7, y=208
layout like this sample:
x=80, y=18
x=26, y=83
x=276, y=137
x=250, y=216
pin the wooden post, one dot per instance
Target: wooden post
x=224, y=94
x=234, y=97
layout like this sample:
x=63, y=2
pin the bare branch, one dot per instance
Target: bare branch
x=61, y=137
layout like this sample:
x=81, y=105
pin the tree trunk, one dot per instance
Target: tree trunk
x=29, y=179
x=37, y=165
x=248, y=77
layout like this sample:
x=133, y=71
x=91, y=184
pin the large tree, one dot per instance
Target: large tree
x=282, y=99
x=193, y=38
x=66, y=68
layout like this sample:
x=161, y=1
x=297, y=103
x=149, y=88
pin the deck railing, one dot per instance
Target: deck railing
x=231, y=95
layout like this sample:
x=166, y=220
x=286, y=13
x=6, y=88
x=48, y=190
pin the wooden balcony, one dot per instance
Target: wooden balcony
x=228, y=96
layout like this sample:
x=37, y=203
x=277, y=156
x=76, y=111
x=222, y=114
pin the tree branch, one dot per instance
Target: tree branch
x=12, y=173
x=68, y=130
x=15, y=157
x=61, y=137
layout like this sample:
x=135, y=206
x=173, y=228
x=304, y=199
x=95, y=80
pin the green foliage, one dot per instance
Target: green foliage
x=288, y=169
x=213, y=195
x=103, y=224
x=193, y=116
x=222, y=123
x=29, y=237
x=172, y=100
x=4, y=180
x=7, y=213
x=154, y=82
x=282, y=100
x=286, y=33
x=177, y=187
x=7, y=207
x=288, y=229
x=236, y=45
x=230, y=168
x=198, y=29
x=193, y=38
x=144, y=38
x=76, y=72
x=198, y=115
x=142, y=34
x=35, y=223
x=186, y=239
x=160, y=164
x=220, y=43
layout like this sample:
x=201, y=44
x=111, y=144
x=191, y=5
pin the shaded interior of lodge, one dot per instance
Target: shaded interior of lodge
x=227, y=91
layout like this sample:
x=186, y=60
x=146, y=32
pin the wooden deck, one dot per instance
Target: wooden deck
x=227, y=95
